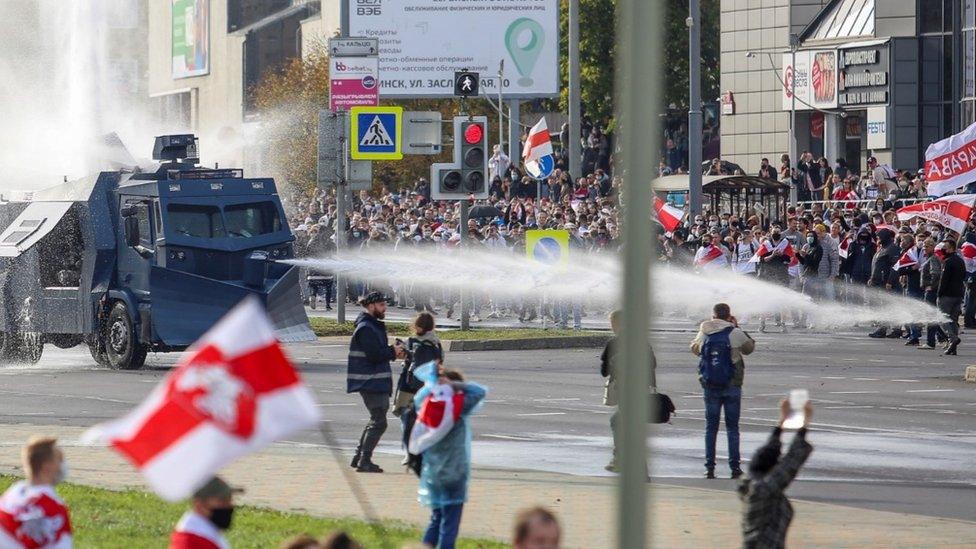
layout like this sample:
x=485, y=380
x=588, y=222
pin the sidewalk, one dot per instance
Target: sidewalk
x=306, y=479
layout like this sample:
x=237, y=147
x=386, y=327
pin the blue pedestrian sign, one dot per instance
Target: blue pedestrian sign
x=376, y=133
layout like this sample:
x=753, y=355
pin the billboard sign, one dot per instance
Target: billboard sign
x=816, y=80
x=353, y=82
x=190, y=37
x=864, y=76
x=424, y=42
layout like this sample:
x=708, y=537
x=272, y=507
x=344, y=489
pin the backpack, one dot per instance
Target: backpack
x=715, y=366
x=660, y=408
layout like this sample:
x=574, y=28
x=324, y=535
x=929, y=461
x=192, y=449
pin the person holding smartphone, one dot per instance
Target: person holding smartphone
x=768, y=512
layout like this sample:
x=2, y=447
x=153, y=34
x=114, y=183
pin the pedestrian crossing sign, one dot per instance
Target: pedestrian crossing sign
x=376, y=133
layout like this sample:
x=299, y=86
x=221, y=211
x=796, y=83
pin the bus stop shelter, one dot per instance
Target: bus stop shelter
x=743, y=195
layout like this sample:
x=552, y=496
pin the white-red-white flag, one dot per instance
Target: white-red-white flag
x=968, y=253
x=843, y=249
x=667, y=215
x=234, y=393
x=32, y=517
x=710, y=258
x=786, y=248
x=951, y=162
x=907, y=259
x=952, y=212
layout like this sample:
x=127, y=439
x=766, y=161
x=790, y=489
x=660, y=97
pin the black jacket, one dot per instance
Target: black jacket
x=883, y=263
x=953, y=282
x=369, y=358
x=858, y=263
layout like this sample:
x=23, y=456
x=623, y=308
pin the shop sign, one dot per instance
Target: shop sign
x=864, y=76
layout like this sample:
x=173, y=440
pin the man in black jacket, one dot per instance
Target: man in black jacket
x=884, y=277
x=370, y=375
x=952, y=287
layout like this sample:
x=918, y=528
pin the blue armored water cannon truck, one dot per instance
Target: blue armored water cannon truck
x=132, y=261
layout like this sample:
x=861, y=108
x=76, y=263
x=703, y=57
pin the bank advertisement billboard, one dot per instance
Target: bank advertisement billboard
x=423, y=42
x=191, y=37
x=816, y=80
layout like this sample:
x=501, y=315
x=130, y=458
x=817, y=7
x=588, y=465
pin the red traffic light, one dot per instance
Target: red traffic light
x=473, y=134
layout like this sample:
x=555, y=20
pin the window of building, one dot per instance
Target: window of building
x=173, y=111
x=267, y=48
x=936, y=15
x=241, y=13
x=968, y=42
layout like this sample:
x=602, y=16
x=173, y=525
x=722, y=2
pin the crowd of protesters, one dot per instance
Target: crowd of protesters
x=841, y=247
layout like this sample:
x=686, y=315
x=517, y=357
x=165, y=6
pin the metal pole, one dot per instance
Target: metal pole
x=574, y=91
x=694, y=109
x=794, y=42
x=514, y=131
x=501, y=111
x=340, y=234
x=639, y=34
x=465, y=310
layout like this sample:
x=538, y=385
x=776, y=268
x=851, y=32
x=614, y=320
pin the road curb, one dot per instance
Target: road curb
x=970, y=374
x=528, y=344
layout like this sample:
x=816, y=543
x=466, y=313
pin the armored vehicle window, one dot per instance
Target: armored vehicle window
x=60, y=253
x=246, y=220
x=195, y=220
x=145, y=230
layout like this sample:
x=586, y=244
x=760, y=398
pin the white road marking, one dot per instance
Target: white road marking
x=854, y=392
x=847, y=407
x=509, y=437
x=930, y=391
x=905, y=381
x=543, y=414
x=866, y=379
x=802, y=377
x=833, y=377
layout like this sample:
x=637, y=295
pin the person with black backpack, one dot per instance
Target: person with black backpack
x=423, y=347
x=721, y=345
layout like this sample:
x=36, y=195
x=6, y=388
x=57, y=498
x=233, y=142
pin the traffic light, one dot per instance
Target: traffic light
x=466, y=83
x=467, y=175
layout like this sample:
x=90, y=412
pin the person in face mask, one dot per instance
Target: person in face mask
x=210, y=514
x=45, y=467
x=884, y=276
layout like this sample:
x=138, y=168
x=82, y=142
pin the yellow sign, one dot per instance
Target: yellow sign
x=548, y=247
x=376, y=133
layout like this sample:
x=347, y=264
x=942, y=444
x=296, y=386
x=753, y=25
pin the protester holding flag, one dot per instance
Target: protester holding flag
x=441, y=435
x=210, y=515
x=370, y=375
x=537, y=154
x=32, y=515
x=712, y=256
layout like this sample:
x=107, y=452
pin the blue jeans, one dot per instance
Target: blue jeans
x=717, y=398
x=443, y=528
x=564, y=307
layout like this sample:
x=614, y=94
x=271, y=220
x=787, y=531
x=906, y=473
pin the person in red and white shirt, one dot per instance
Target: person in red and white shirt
x=32, y=516
x=209, y=516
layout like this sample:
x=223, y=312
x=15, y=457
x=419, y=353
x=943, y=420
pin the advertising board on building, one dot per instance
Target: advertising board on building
x=816, y=80
x=864, y=76
x=353, y=82
x=190, y=37
x=877, y=127
x=423, y=42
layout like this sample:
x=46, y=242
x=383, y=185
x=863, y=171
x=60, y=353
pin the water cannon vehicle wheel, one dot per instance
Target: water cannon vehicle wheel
x=29, y=347
x=122, y=347
x=96, y=345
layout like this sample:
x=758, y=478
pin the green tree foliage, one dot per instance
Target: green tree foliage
x=676, y=52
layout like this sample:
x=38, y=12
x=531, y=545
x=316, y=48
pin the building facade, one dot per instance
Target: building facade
x=872, y=77
x=206, y=57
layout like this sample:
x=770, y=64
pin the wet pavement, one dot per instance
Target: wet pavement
x=893, y=428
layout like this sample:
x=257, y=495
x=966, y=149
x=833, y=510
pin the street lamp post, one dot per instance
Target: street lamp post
x=694, y=109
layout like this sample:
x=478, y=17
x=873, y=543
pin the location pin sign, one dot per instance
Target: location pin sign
x=525, y=55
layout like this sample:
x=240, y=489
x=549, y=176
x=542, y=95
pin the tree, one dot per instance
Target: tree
x=675, y=79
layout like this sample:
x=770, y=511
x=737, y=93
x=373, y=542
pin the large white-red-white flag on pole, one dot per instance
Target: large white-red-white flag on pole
x=951, y=162
x=710, y=258
x=907, y=259
x=952, y=212
x=537, y=154
x=234, y=393
x=786, y=248
x=667, y=215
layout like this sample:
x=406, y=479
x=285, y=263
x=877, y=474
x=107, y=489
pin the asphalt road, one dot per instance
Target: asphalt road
x=893, y=426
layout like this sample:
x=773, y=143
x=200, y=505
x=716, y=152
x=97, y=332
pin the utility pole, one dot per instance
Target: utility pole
x=694, y=109
x=501, y=111
x=794, y=45
x=638, y=66
x=514, y=131
x=465, y=296
x=340, y=231
x=574, y=91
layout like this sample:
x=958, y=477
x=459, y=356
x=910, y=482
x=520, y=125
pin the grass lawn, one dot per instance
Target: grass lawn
x=326, y=327
x=111, y=519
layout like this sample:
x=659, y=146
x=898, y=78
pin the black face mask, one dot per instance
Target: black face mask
x=222, y=517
